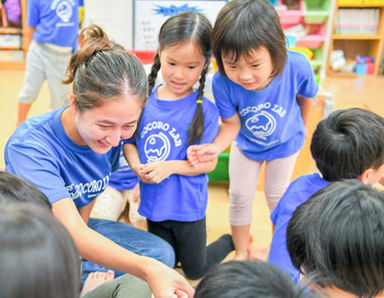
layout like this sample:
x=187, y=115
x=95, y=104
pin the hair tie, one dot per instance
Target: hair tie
x=199, y=101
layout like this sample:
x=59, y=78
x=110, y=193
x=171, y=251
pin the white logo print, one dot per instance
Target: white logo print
x=261, y=125
x=157, y=147
x=64, y=9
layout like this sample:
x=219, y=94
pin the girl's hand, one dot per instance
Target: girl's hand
x=202, y=153
x=136, y=194
x=141, y=173
x=156, y=172
x=166, y=282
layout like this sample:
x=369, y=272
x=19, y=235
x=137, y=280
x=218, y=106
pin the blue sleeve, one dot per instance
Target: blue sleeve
x=307, y=84
x=38, y=167
x=33, y=13
x=221, y=94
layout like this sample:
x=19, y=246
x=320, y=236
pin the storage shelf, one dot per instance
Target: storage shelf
x=4, y=30
x=356, y=37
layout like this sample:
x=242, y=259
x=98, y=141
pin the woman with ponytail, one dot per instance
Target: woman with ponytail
x=173, y=193
x=70, y=153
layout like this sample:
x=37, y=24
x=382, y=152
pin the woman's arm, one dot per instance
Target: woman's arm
x=98, y=249
x=229, y=129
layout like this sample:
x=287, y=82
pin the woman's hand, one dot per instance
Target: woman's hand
x=166, y=282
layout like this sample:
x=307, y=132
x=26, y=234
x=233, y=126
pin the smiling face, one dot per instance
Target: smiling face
x=102, y=127
x=181, y=66
x=252, y=72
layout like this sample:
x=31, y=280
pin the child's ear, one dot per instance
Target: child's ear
x=366, y=177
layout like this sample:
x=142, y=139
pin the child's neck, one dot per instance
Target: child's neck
x=165, y=93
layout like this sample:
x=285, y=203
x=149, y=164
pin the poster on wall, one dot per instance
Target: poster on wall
x=149, y=15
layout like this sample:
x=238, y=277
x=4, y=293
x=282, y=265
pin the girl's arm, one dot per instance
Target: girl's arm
x=132, y=156
x=229, y=129
x=156, y=172
x=305, y=104
x=97, y=248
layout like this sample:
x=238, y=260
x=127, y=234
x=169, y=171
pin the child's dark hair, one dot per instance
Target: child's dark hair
x=247, y=279
x=38, y=256
x=100, y=71
x=347, y=143
x=336, y=238
x=183, y=27
x=245, y=25
x=16, y=190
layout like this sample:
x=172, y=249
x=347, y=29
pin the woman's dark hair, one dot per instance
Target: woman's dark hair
x=99, y=72
x=38, y=256
x=247, y=279
x=245, y=25
x=336, y=238
x=347, y=143
x=184, y=27
x=16, y=190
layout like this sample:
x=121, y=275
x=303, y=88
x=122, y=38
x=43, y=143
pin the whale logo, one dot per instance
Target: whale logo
x=261, y=125
x=64, y=11
x=157, y=147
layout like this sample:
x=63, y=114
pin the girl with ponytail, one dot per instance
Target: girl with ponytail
x=173, y=193
x=71, y=152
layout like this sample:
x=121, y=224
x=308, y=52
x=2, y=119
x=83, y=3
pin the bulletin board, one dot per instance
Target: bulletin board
x=149, y=15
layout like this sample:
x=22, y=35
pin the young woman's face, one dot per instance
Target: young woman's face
x=181, y=66
x=102, y=127
x=252, y=72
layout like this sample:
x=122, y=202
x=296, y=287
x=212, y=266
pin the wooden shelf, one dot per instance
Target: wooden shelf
x=356, y=37
x=6, y=30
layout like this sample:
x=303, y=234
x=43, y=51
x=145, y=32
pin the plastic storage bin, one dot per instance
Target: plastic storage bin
x=289, y=17
x=315, y=39
x=316, y=11
x=146, y=57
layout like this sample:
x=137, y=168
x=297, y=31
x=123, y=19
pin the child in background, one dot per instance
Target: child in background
x=121, y=197
x=173, y=193
x=262, y=92
x=247, y=279
x=52, y=35
x=336, y=240
x=347, y=144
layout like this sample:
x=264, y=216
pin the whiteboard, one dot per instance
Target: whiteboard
x=149, y=15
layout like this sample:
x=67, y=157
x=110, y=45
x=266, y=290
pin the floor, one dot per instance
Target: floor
x=365, y=92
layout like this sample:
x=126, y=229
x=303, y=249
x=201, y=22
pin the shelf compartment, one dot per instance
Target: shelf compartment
x=316, y=11
x=290, y=15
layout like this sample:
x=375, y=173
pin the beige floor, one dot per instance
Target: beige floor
x=365, y=92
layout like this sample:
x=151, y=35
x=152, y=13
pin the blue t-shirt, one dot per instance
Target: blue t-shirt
x=271, y=122
x=41, y=152
x=123, y=178
x=298, y=192
x=163, y=135
x=56, y=21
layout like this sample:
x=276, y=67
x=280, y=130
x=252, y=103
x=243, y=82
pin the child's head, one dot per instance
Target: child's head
x=350, y=144
x=16, y=190
x=336, y=238
x=247, y=279
x=38, y=256
x=250, y=31
x=183, y=55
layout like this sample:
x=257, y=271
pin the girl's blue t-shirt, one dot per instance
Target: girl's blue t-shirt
x=271, y=122
x=163, y=136
x=56, y=22
x=41, y=152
